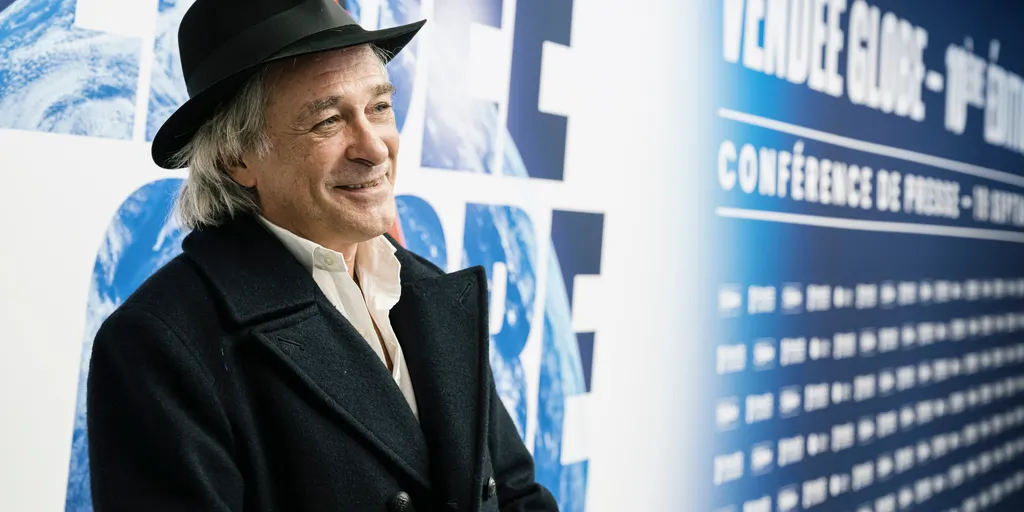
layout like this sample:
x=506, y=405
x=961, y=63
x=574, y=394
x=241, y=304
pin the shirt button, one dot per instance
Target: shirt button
x=329, y=260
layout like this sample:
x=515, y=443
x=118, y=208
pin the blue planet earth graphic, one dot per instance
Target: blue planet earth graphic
x=58, y=78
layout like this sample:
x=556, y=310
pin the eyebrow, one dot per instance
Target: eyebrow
x=320, y=104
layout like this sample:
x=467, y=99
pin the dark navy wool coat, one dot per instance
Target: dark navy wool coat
x=228, y=382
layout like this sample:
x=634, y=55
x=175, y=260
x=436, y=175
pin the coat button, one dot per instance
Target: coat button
x=399, y=502
x=490, y=489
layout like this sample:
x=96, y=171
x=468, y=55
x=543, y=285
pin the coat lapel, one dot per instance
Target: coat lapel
x=272, y=298
x=441, y=323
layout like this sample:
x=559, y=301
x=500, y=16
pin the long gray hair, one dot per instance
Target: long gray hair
x=209, y=195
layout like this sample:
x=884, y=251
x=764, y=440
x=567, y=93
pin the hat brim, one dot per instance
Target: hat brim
x=180, y=127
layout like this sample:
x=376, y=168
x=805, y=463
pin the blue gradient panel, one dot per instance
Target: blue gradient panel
x=503, y=235
x=402, y=68
x=459, y=131
x=167, y=83
x=58, y=78
x=422, y=230
x=540, y=136
x=561, y=376
x=577, y=238
x=854, y=249
x=141, y=238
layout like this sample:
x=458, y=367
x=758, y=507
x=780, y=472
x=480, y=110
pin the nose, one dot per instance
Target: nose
x=365, y=143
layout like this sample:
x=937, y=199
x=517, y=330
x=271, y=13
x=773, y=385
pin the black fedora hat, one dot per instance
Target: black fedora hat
x=224, y=42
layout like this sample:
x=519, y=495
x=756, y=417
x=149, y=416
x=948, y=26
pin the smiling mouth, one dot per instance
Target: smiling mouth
x=368, y=184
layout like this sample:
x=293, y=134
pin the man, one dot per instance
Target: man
x=294, y=358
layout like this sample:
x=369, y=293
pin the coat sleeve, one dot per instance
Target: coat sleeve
x=159, y=439
x=513, y=465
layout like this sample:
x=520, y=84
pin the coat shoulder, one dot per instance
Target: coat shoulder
x=178, y=306
x=175, y=293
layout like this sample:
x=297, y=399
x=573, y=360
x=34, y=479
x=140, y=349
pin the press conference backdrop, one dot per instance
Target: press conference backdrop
x=867, y=181
x=529, y=146
x=743, y=255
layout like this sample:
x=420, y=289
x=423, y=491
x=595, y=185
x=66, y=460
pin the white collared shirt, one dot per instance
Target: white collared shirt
x=362, y=304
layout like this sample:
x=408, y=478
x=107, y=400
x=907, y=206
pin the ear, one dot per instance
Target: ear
x=242, y=174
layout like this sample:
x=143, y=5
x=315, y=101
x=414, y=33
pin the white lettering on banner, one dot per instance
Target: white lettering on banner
x=817, y=444
x=907, y=293
x=762, y=504
x=841, y=392
x=760, y=300
x=844, y=345
x=814, y=492
x=819, y=297
x=931, y=197
x=793, y=351
x=728, y=467
x=924, y=452
x=888, y=294
x=867, y=296
x=802, y=45
x=760, y=407
x=815, y=397
x=886, y=382
x=801, y=41
x=789, y=402
x=843, y=437
x=886, y=503
x=820, y=349
x=888, y=339
x=904, y=459
x=762, y=456
x=926, y=288
x=864, y=387
x=730, y=300
x=925, y=334
x=731, y=358
x=838, y=484
x=727, y=413
x=924, y=374
x=884, y=466
x=842, y=297
x=868, y=342
x=788, y=499
x=973, y=287
x=907, y=417
x=940, y=446
x=1004, y=105
x=791, y=451
x=924, y=412
x=789, y=172
x=885, y=64
x=764, y=354
x=792, y=298
x=863, y=475
x=959, y=328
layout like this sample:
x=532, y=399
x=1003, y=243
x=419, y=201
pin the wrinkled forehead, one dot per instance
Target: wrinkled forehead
x=343, y=70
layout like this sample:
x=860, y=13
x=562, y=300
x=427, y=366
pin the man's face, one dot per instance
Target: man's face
x=330, y=175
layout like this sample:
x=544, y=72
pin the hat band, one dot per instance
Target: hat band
x=255, y=44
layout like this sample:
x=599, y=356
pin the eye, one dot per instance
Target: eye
x=327, y=123
x=382, y=107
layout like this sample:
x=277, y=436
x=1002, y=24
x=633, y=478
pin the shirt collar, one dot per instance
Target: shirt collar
x=375, y=258
x=304, y=250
